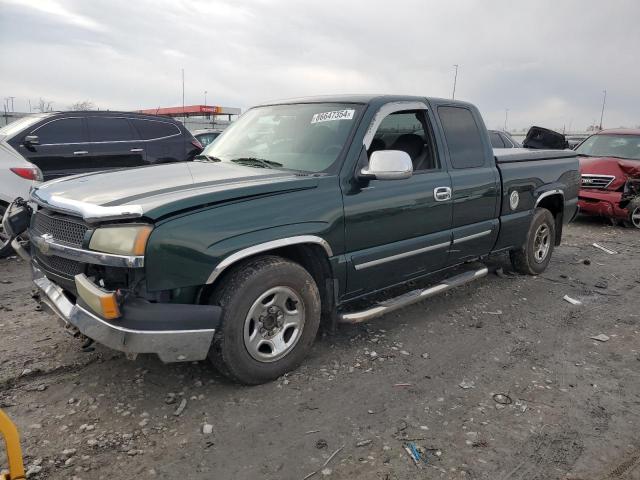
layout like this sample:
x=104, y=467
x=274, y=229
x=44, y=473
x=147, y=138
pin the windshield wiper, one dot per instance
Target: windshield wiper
x=207, y=158
x=256, y=162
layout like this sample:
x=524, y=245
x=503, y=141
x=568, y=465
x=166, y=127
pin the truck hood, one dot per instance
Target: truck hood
x=616, y=167
x=161, y=190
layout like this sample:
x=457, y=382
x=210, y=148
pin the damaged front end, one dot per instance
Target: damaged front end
x=101, y=295
x=630, y=200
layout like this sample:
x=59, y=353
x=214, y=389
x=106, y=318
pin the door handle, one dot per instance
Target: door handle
x=80, y=152
x=136, y=150
x=442, y=194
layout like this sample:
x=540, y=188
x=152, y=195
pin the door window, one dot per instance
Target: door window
x=65, y=130
x=151, y=129
x=109, y=129
x=463, y=137
x=407, y=131
x=496, y=140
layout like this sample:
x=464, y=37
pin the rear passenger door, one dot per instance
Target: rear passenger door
x=475, y=183
x=164, y=142
x=113, y=143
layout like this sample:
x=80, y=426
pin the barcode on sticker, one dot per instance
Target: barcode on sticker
x=330, y=116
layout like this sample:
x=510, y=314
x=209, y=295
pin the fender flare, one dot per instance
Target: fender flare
x=265, y=247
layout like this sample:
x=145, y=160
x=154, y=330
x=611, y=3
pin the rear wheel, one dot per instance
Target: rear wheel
x=271, y=314
x=535, y=255
x=5, y=241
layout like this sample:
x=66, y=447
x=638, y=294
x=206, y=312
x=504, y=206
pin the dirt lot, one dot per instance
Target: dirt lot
x=365, y=392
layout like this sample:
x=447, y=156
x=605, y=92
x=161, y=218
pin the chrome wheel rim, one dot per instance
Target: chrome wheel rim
x=541, y=243
x=274, y=324
x=635, y=217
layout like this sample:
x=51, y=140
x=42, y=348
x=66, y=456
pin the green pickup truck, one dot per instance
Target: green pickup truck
x=299, y=214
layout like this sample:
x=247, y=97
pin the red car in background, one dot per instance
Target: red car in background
x=610, y=170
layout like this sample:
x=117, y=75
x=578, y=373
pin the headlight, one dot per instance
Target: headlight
x=124, y=240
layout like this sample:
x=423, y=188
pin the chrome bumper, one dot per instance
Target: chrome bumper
x=169, y=345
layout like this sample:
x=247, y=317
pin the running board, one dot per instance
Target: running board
x=402, y=301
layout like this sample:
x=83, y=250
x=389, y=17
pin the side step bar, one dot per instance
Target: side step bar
x=402, y=301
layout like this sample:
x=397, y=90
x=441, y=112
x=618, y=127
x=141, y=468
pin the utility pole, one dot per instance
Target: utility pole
x=604, y=100
x=205, y=98
x=455, y=80
x=506, y=117
x=183, y=95
x=12, y=109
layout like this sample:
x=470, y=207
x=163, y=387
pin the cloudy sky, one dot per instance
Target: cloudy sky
x=547, y=61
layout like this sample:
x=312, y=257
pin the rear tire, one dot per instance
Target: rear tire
x=270, y=317
x=6, y=249
x=535, y=255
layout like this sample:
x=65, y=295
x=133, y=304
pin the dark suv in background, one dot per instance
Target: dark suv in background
x=67, y=143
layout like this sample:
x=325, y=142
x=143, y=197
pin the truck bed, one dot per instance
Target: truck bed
x=509, y=155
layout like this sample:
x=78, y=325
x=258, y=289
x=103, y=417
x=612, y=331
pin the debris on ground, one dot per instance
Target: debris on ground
x=207, y=429
x=181, y=407
x=601, y=337
x=604, y=249
x=572, y=301
x=363, y=443
x=502, y=399
x=466, y=384
x=321, y=443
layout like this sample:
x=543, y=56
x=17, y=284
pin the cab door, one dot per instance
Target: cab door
x=398, y=229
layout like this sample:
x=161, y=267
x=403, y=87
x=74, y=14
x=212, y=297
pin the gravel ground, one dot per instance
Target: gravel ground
x=424, y=376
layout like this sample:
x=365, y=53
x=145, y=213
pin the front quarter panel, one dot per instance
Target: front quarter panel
x=183, y=251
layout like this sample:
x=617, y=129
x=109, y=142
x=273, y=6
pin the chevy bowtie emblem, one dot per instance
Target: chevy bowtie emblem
x=43, y=244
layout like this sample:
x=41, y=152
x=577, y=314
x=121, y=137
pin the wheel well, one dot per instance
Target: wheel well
x=311, y=257
x=555, y=204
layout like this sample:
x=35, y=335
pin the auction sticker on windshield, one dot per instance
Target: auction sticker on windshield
x=330, y=116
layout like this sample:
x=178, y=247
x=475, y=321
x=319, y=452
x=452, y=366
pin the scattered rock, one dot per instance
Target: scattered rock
x=425, y=355
x=363, y=443
x=181, y=407
x=466, y=384
x=207, y=429
x=601, y=338
x=321, y=443
x=326, y=472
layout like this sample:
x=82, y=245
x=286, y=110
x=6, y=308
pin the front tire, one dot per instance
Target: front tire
x=535, y=255
x=634, y=214
x=271, y=314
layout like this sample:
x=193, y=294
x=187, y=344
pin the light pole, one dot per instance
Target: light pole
x=205, y=98
x=604, y=100
x=506, y=117
x=455, y=80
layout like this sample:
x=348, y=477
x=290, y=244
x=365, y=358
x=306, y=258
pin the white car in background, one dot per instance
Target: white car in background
x=17, y=175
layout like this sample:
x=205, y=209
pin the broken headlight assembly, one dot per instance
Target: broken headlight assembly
x=121, y=239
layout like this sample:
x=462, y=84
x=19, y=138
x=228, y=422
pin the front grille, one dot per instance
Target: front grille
x=597, y=181
x=63, y=228
x=59, y=265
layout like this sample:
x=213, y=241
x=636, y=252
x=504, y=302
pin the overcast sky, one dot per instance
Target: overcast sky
x=546, y=61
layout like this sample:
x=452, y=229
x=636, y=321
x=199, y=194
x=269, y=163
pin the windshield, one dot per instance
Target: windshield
x=620, y=146
x=15, y=127
x=305, y=137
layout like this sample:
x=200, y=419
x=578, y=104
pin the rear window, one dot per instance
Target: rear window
x=109, y=129
x=150, y=129
x=463, y=137
x=64, y=130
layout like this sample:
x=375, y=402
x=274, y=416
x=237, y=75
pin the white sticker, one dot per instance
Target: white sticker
x=330, y=116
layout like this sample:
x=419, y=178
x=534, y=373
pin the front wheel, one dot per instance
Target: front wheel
x=634, y=214
x=535, y=255
x=271, y=314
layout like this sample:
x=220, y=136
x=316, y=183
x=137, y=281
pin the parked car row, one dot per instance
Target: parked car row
x=49, y=146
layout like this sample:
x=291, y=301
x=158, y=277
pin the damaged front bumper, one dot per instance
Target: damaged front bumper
x=601, y=203
x=175, y=332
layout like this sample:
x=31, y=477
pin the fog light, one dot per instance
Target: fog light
x=102, y=302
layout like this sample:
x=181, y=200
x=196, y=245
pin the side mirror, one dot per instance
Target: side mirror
x=388, y=165
x=31, y=140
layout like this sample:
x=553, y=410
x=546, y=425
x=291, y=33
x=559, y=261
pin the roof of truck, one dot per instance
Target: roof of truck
x=361, y=98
